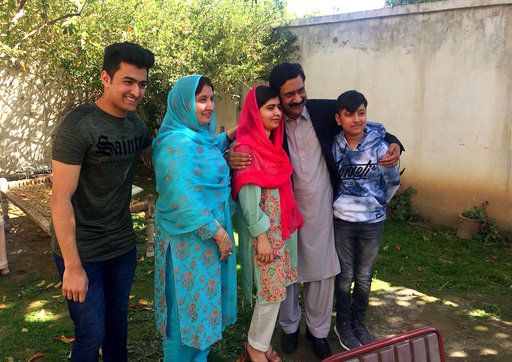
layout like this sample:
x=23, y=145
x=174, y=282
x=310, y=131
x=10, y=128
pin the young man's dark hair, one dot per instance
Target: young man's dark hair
x=283, y=72
x=129, y=53
x=350, y=100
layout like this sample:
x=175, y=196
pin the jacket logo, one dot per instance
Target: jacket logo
x=355, y=171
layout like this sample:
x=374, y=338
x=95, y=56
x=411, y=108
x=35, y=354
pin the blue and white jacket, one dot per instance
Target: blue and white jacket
x=365, y=187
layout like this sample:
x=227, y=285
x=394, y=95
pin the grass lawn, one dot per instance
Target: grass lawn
x=435, y=261
x=415, y=256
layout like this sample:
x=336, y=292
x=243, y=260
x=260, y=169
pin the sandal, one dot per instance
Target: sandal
x=247, y=356
x=272, y=355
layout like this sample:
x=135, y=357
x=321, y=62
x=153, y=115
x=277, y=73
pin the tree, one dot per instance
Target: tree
x=61, y=42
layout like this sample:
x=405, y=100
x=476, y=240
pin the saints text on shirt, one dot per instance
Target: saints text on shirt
x=118, y=147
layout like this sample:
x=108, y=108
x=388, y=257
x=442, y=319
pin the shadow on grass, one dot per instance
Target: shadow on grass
x=424, y=276
x=469, y=332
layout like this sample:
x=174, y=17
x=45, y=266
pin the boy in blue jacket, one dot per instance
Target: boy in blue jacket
x=364, y=190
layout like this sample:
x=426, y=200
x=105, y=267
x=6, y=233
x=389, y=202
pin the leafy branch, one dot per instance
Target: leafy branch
x=47, y=23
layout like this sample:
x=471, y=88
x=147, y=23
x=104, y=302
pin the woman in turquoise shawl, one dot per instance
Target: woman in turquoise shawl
x=195, y=267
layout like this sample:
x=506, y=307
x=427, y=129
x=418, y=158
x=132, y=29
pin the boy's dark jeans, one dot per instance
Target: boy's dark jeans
x=357, y=245
x=102, y=319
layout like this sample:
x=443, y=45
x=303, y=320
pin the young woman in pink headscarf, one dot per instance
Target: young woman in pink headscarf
x=267, y=216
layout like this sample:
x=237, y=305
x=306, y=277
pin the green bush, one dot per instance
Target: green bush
x=61, y=43
x=477, y=213
x=489, y=233
x=400, y=208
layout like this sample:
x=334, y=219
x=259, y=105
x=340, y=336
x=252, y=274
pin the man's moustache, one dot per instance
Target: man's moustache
x=297, y=104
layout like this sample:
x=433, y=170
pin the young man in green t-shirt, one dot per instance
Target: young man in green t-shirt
x=95, y=151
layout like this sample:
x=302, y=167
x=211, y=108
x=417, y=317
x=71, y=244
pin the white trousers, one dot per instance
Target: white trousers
x=263, y=322
x=318, y=301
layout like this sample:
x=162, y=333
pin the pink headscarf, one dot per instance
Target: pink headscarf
x=270, y=167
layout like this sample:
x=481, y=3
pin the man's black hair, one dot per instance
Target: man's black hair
x=350, y=100
x=127, y=52
x=263, y=94
x=283, y=72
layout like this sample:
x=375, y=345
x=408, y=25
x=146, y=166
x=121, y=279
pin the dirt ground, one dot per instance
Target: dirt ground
x=467, y=336
x=395, y=310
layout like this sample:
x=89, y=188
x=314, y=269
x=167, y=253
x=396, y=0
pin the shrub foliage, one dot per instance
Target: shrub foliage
x=61, y=42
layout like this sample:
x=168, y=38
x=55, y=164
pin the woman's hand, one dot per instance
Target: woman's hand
x=224, y=243
x=263, y=249
x=231, y=133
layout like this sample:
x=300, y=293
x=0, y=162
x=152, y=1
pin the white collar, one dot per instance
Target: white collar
x=304, y=115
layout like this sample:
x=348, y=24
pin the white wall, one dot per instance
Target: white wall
x=27, y=118
x=439, y=76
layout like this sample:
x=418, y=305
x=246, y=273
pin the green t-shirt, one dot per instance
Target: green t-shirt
x=108, y=149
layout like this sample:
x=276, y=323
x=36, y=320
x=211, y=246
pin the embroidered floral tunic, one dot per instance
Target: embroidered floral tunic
x=258, y=211
x=205, y=287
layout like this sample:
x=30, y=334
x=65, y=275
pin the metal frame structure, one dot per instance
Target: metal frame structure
x=423, y=344
x=40, y=213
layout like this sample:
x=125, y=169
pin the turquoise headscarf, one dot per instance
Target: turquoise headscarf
x=181, y=112
x=191, y=175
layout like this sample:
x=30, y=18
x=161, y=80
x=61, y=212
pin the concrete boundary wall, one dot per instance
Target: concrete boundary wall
x=26, y=122
x=439, y=75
